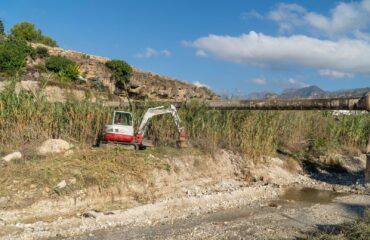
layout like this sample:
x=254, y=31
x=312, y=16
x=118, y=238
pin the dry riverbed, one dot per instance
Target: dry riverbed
x=186, y=203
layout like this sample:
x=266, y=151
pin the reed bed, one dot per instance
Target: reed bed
x=27, y=118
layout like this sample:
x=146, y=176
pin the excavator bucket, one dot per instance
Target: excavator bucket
x=181, y=143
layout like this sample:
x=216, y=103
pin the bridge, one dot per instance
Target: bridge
x=345, y=103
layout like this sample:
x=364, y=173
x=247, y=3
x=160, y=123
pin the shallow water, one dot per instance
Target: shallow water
x=309, y=195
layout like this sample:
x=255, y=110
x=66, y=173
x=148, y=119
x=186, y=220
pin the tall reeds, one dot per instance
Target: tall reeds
x=26, y=118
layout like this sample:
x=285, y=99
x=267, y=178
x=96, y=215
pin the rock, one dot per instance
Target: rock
x=12, y=156
x=273, y=205
x=88, y=215
x=62, y=184
x=54, y=146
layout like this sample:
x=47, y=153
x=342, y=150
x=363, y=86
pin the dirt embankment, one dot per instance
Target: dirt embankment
x=175, y=186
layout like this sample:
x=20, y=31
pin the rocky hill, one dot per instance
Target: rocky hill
x=306, y=92
x=143, y=85
x=309, y=92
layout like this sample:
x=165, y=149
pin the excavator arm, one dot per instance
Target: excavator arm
x=151, y=112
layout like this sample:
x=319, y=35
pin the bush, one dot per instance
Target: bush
x=46, y=40
x=65, y=68
x=28, y=32
x=13, y=53
x=42, y=52
x=121, y=72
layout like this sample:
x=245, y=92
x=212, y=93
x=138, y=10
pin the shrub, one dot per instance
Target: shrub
x=13, y=53
x=41, y=68
x=121, y=72
x=28, y=32
x=70, y=73
x=42, y=52
x=65, y=68
x=46, y=40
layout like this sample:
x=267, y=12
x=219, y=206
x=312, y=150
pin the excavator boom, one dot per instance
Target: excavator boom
x=151, y=112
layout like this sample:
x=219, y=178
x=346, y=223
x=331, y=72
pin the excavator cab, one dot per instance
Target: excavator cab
x=121, y=130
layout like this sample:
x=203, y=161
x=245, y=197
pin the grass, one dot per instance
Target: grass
x=88, y=166
x=358, y=230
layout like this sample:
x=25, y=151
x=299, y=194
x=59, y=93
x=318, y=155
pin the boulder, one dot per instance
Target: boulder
x=54, y=146
x=12, y=156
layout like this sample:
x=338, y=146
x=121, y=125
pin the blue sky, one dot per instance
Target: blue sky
x=234, y=46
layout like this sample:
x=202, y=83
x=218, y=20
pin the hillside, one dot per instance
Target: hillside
x=96, y=81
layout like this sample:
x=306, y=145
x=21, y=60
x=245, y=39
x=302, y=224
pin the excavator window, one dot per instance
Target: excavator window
x=122, y=118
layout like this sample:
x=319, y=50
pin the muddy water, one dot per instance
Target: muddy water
x=309, y=195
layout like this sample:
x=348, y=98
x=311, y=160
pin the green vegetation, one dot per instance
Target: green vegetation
x=28, y=32
x=42, y=52
x=2, y=29
x=359, y=230
x=25, y=118
x=65, y=68
x=46, y=40
x=13, y=53
x=121, y=72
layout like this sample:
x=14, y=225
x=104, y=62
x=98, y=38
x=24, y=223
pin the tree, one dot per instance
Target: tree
x=25, y=31
x=2, y=29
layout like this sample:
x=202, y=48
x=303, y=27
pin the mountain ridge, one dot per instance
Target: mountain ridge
x=308, y=92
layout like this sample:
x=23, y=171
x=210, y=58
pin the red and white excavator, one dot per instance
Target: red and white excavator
x=121, y=131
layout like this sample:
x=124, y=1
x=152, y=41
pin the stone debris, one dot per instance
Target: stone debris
x=12, y=156
x=54, y=146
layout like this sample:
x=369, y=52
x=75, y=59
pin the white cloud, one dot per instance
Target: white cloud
x=287, y=16
x=350, y=56
x=151, y=52
x=199, y=84
x=251, y=14
x=148, y=53
x=344, y=18
x=259, y=81
x=334, y=74
x=294, y=83
x=361, y=35
x=166, y=53
x=201, y=53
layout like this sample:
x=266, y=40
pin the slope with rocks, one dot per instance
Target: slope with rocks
x=143, y=85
